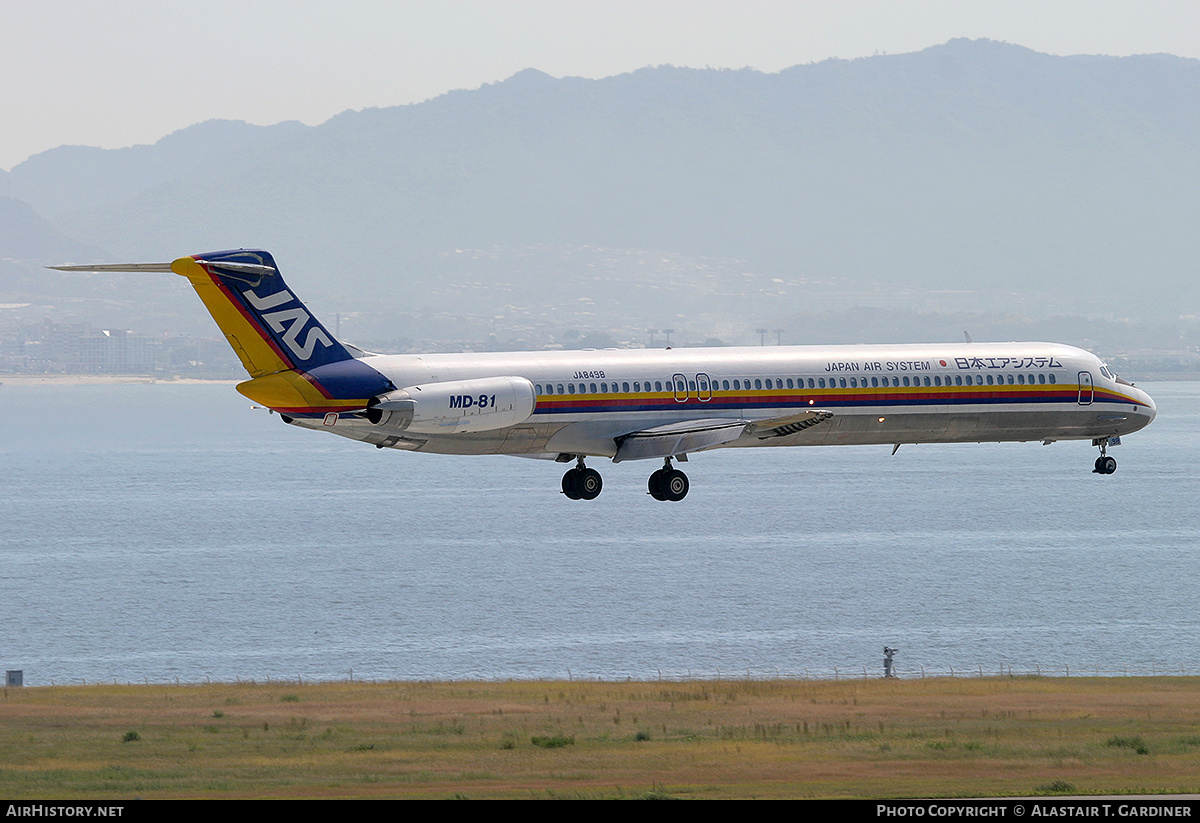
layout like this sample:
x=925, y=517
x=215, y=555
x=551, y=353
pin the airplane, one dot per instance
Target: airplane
x=649, y=404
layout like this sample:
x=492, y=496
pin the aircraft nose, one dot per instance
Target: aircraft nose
x=1150, y=410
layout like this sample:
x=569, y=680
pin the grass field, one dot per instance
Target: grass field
x=536, y=739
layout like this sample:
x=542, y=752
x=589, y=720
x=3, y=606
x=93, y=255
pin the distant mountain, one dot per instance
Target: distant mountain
x=971, y=166
x=26, y=234
x=72, y=178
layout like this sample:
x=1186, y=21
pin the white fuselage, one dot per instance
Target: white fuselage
x=586, y=400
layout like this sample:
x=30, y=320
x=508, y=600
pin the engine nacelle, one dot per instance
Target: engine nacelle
x=456, y=406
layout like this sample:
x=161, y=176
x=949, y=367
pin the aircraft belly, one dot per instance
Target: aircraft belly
x=864, y=426
x=1033, y=423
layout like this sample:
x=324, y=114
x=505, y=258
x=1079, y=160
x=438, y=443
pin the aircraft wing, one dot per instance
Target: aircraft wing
x=678, y=438
x=696, y=435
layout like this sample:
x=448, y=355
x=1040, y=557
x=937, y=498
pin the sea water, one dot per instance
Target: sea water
x=162, y=531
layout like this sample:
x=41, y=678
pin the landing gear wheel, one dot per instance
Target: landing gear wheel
x=1104, y=463
x=676, y=485
x=570, y=484
x=588, y=483
x=657, y=485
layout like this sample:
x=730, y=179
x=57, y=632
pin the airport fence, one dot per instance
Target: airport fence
x=760, y=673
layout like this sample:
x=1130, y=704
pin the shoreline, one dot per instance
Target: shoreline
x=106, y=380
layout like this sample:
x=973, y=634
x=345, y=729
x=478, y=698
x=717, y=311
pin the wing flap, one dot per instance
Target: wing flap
x=697, y=435
x=678, y=438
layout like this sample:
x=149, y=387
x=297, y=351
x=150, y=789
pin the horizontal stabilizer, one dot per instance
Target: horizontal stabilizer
x=678, y=438
x=231, y=265
x=783, y=426
x=118, y=267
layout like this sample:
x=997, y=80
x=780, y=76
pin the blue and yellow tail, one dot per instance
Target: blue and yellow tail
x=296, y=366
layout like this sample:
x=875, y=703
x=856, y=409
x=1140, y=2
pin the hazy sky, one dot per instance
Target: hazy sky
x=120, y=72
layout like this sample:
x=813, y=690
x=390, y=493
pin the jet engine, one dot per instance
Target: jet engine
x=455, y=407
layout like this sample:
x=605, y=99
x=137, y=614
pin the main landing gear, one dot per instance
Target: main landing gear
x=582, y=483
x=668, y=483
x=1104, y=463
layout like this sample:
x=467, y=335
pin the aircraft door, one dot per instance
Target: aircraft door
x=679, y=384
x=703, y=388
x=1086, y=389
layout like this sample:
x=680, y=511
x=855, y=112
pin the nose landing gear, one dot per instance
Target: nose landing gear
x=1104, y=463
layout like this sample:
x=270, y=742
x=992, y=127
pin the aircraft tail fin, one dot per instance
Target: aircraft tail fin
x=296, y=364
x=264, y=322
x=267, y=326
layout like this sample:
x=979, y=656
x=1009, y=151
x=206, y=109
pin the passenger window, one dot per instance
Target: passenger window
x=1052, y=379
x=822, y=382
x=537, y=388
x=1042, y=379
x=560, y=388
x=843, y=382
x=757, y=383
x=725, y=385
x=658, y=385
x=789, y=382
